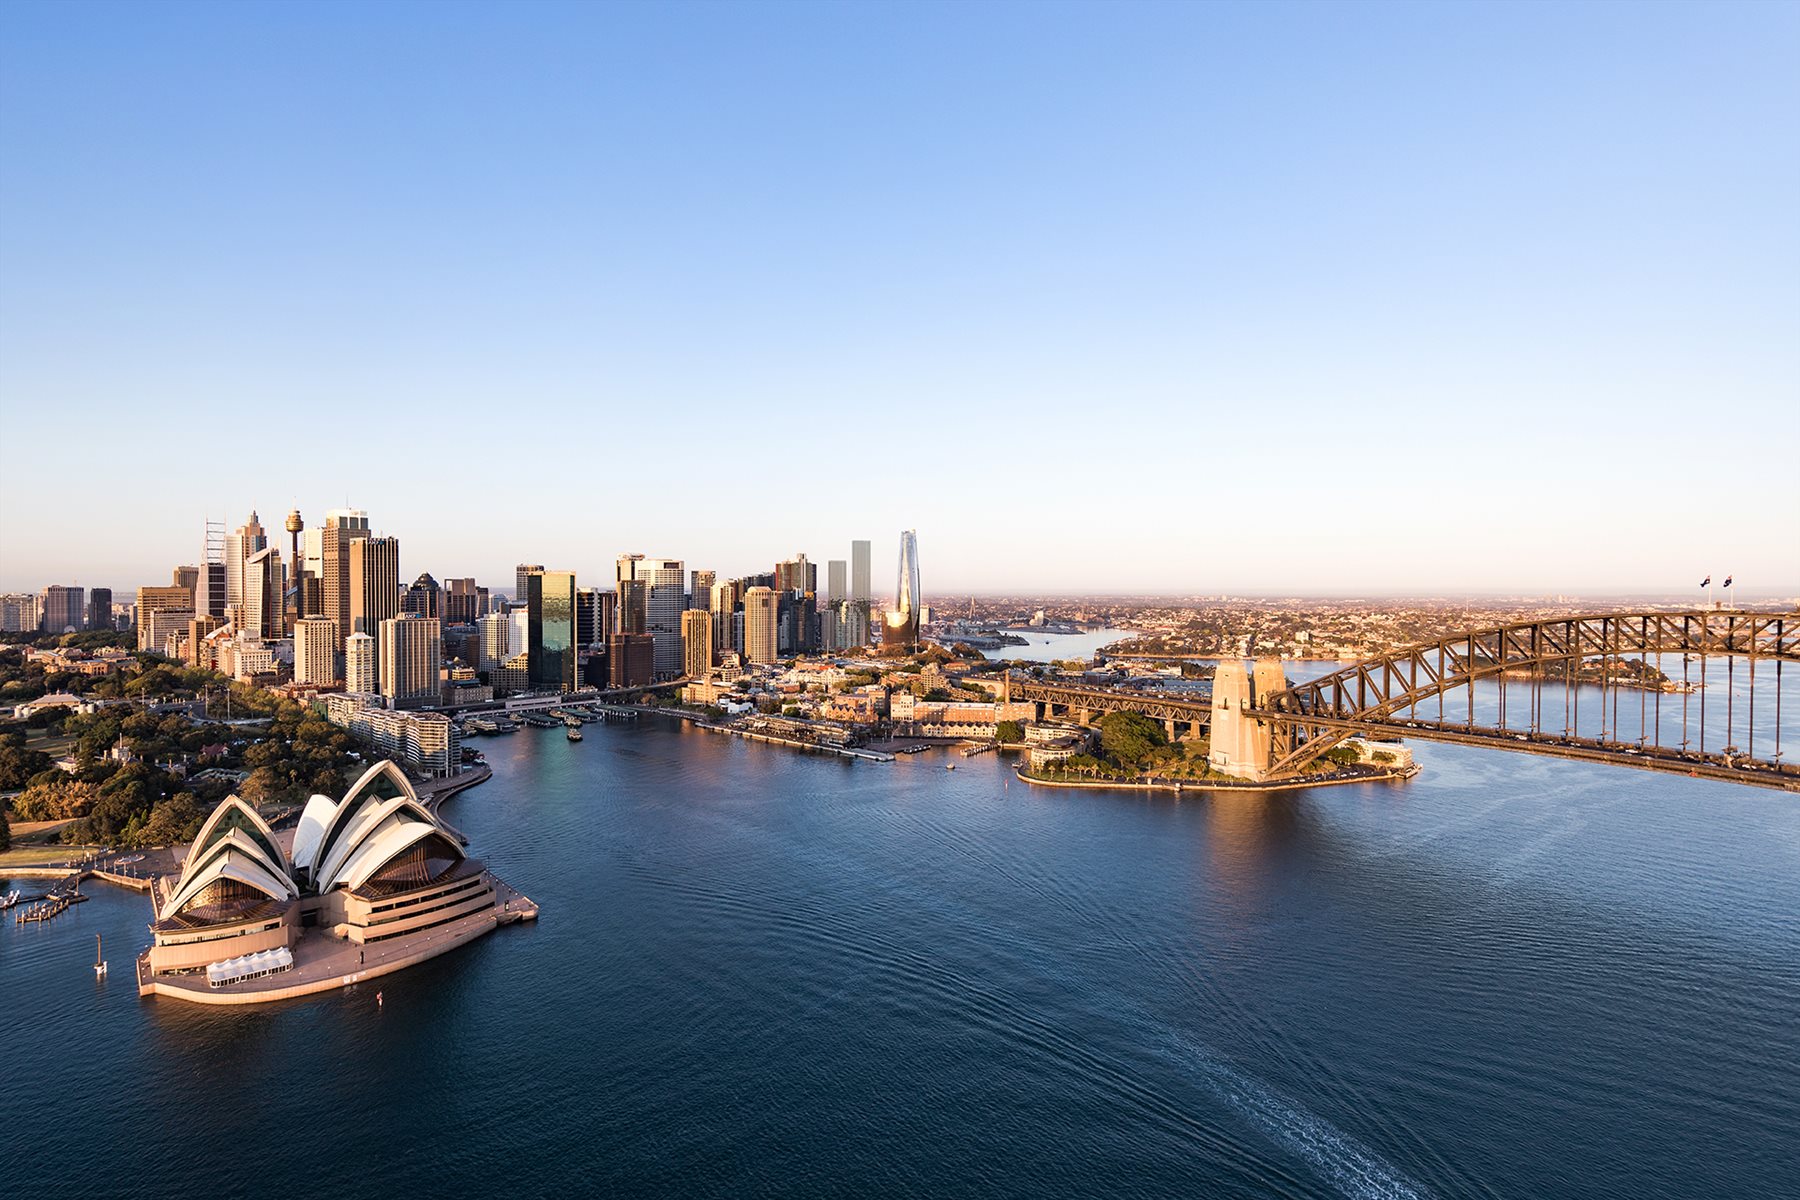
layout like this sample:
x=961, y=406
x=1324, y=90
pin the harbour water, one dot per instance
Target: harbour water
x=766, y=972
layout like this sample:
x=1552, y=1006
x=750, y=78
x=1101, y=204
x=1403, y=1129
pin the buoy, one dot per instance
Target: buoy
x=377, y=999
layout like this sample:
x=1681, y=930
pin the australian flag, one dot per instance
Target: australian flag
x=1707, y=582
x=1727, y=582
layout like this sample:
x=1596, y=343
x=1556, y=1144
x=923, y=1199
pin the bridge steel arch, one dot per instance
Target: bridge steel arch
x=1308, y=719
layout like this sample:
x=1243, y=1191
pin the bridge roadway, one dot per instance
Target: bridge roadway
x=1172, y=711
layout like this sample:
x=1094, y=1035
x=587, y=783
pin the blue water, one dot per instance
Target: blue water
x=761, y=972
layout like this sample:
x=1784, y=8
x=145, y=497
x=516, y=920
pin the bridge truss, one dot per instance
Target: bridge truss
x=1544, y=661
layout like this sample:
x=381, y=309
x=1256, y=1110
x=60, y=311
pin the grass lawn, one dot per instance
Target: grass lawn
x=35, y=856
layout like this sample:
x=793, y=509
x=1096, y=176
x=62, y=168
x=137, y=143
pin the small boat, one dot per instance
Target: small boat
x=574, y=734
x=11, y=898
x=99, y=963
x=949, y=766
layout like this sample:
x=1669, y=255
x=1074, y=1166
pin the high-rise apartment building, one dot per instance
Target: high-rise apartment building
x=20, y=612
x=362, y=672
x=64, y=608
x=700, y=586
x=759, y=625
x=835, y=571
x=374, y=584
x=343, y=527
x=315, y=652
x=696, y=643
x=240, y=544
x=550, y=618
x=100, y=614
x=859, y=572
x=410, y=650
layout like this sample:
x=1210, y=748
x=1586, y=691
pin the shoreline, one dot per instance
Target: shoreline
x=1180, y=787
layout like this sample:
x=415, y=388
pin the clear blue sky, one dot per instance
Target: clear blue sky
x=1183, y=298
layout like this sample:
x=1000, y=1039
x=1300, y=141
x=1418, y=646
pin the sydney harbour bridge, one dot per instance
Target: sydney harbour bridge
x=1692, y=692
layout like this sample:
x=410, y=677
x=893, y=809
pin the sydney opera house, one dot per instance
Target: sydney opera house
x=364, y=885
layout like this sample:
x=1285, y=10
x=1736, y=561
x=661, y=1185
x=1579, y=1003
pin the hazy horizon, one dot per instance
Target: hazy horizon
x=1169, y=299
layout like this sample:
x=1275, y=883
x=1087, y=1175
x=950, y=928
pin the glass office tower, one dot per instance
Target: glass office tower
x=550, y=624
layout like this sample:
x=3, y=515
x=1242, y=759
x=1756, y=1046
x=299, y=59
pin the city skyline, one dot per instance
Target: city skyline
x=1330, y=299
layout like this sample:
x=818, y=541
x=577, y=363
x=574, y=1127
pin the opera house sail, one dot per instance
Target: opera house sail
x=362, y=886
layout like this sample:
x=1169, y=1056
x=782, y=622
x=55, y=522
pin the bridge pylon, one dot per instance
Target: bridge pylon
x=1243, y=744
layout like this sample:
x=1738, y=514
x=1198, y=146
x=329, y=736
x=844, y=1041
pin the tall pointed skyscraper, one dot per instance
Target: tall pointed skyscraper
x=902, y=630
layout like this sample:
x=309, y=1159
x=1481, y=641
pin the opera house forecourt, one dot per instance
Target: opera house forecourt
x=363, y=886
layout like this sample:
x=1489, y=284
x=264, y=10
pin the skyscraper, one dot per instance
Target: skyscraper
x=550, y=617
x=724, y=604
x=796, y=575
x=410, y=651
x=834, y=581
x=759, y=625
x=209, y=594
x=315, y=652
x=362, y=674
x=902, y=631
x=596, y=616
x=100, y=615
x=696, y=643
x=665, y=598
x=633, y=606
x=496, y=641
x=424, y=597
x=700, y=585
x=631, y=659
x=240, y=544
x=859, y=572
x=160, y=612
x=374, y=584
x=521, y=573
x=343, y=526
x=260, y=579
x=64, y=608
x=461, y=601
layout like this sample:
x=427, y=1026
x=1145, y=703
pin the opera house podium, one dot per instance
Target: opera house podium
x=364, y=885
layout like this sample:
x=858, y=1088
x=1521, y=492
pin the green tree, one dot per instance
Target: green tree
x=174, y=820
x=1010, y=731
x=1128, y=738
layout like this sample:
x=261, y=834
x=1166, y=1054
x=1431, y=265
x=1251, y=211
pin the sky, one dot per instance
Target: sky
x=1188, y=298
